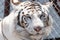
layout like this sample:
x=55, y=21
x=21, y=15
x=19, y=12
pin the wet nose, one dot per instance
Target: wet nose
x=37, y=29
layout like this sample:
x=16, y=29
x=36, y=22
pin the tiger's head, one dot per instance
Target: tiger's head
x=34, y=18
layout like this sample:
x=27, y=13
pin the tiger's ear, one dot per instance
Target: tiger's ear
x=15, y=3
x=47, y=5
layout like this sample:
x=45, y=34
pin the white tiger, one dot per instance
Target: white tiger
x=29, y=20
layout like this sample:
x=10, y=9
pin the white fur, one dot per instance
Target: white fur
x=12, y=31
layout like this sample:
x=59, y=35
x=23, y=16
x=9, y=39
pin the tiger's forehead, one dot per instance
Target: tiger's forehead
x=28, y=3
x=30, y=7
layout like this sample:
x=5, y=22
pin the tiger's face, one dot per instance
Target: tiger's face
x=34, y=18
x=33, y=22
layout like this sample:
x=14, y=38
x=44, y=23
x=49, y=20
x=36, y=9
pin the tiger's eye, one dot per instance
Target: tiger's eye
x=28, y=16
x=42, y=16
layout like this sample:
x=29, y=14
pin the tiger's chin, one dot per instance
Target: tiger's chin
x=36, y=37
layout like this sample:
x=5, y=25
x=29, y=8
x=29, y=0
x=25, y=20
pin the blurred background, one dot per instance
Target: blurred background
x=6, y=8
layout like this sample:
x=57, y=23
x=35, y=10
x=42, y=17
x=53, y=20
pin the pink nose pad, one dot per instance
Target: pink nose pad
x=37, y=29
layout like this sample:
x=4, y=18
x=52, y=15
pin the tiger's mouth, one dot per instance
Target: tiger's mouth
x=37, y=34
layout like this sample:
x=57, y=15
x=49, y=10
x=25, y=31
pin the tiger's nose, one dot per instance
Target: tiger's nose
x=37, y=29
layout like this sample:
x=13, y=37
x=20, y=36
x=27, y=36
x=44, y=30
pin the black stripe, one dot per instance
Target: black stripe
x=19, y=17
